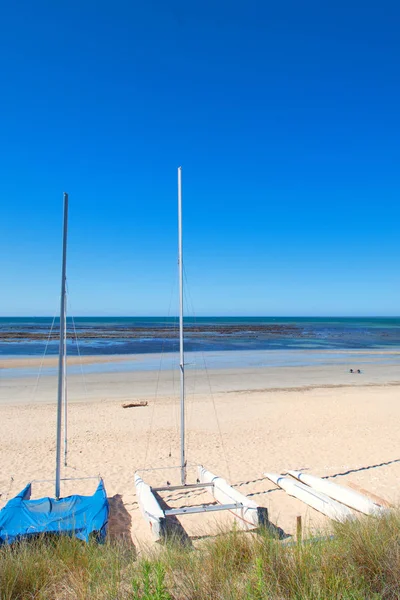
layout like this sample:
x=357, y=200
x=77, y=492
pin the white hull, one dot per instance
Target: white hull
x=342, y=494
x=317, y=500
x=374, y=497
x=150, y=508
x=249, y=514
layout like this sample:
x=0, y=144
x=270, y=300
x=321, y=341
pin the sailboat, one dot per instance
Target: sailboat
x=247, y=513
x=75, y=515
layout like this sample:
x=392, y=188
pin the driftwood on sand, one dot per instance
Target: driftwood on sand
x=134, y=404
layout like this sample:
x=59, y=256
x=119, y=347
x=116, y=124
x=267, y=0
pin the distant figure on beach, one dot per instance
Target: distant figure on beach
x=351, y=371
x=358, y=371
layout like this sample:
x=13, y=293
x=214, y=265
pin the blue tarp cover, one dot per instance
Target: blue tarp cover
x=74, y=515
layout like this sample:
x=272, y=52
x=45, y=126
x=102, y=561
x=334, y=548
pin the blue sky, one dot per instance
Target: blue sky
x=285, y=119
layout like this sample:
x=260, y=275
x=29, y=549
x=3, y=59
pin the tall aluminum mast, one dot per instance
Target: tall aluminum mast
x=61, y=373
x=181, y=350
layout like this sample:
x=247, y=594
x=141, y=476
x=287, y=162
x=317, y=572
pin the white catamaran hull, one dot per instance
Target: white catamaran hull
x=342, y=494
x=150, y=508
x=249, y=514
x=320, y=502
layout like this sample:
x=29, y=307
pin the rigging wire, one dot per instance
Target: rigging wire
x=210, y=388
x=190, y=396
x=43, y=357
x=174, y=368
x=158, y=382
x=9, y=488
x=65, y=375
x=77, y=345
x=65, y=390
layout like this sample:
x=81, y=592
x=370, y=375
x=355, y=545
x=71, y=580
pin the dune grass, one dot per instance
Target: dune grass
x=360, y=561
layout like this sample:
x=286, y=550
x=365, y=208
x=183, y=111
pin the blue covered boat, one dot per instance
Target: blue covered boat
x=75, y=515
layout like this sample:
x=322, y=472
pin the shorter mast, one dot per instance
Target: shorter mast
x=61, y=349
x=181, y=350
x=65, y=391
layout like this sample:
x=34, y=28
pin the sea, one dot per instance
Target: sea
x=30, y=336
x=34, y=336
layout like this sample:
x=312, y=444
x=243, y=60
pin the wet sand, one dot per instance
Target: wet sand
x=52, y=361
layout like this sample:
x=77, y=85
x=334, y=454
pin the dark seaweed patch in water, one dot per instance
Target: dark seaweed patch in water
x=130, y=336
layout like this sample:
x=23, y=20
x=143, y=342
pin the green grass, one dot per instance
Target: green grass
x=361, y=561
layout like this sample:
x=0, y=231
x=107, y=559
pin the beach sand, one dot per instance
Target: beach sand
x=240, y=423
x=52, y=361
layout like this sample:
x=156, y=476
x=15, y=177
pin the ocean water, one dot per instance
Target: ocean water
x=23, y=336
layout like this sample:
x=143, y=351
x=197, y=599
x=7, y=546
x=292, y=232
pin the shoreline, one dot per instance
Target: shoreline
x=32, y=361
x=128, y=380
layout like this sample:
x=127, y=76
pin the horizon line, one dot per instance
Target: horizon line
x=208, y=316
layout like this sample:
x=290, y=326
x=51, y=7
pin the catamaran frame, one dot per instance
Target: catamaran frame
x=247, y=512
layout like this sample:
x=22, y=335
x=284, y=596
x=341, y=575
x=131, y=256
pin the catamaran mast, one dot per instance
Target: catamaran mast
x=65, y=390
x=61, y=348
x=181, y=352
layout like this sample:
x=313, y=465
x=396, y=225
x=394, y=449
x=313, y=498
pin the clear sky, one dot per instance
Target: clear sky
x=285, y=117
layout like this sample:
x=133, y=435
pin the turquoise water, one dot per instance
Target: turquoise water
x=28, y=336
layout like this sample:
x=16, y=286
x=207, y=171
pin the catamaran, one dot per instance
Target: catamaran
x=75, y=515
x=247, y=513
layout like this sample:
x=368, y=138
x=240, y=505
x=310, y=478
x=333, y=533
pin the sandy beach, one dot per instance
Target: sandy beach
x=52, y=361
x=240, y=423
